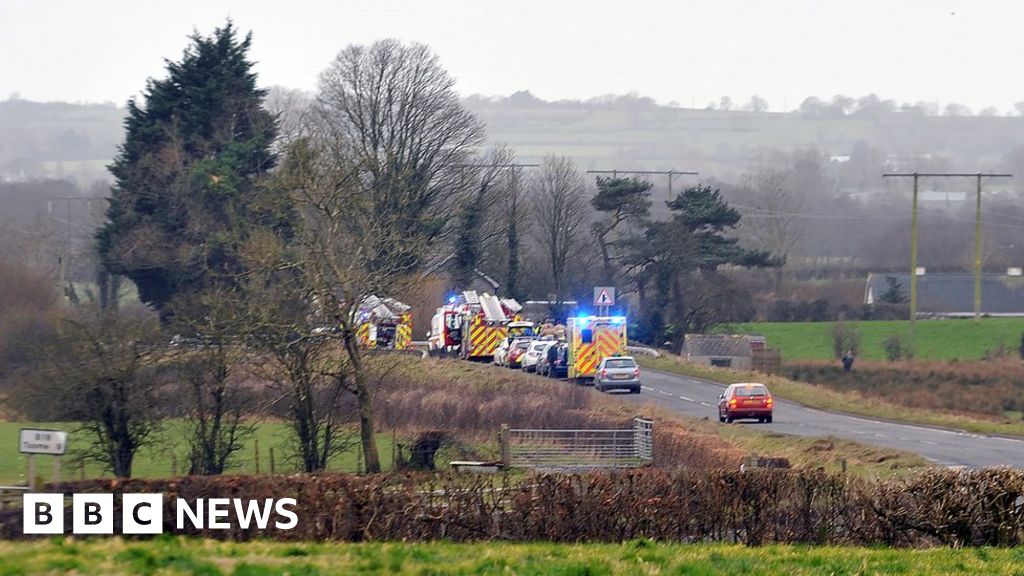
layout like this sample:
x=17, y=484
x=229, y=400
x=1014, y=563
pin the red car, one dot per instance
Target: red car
x=747, y=400
x=516, y=353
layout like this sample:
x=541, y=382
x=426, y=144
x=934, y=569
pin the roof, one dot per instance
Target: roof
x=725, y=345
x=953, y=294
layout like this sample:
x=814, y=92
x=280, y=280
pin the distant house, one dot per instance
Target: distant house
x=721, y=350
x=952, y=295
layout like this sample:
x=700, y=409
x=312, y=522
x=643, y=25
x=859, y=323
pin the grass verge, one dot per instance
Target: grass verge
x=173, y=555
x=167, y=454
x=824, y=398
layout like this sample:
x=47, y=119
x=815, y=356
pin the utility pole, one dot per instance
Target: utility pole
x=66, y=250
x=672, y=175
x=977, y=236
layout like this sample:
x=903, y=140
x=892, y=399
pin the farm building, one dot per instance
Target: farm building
x=951, y=295
x=722, y=350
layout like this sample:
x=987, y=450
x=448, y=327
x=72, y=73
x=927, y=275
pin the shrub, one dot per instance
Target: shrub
x=845, y=338
x=897, y=348
x=759, y=506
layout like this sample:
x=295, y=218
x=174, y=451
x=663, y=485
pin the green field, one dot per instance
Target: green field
x=167, y=454
x=933, y=339
x=170, y=555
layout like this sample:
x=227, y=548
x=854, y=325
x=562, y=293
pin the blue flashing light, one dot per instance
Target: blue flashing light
x=453, y=299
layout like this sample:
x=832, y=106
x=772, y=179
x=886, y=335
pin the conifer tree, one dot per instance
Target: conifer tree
x=186, y=195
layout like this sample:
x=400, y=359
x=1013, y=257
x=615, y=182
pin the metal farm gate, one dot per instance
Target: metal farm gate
x=578, y=449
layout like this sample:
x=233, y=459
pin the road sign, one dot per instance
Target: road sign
x=42, y=441
x=604, y=296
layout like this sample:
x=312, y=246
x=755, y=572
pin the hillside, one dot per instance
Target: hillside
x=77, y=140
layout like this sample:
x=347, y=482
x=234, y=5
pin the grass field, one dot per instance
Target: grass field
x=933, y=339
x=171, y=555
x=158, y=460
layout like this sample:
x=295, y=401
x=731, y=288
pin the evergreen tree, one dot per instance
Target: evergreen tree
x=186, y=195
x=673, y=259
x=893, y=293
x=622, y=199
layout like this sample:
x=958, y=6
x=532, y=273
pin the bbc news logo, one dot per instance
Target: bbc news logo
x=144, y=514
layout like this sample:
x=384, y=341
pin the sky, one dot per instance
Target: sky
x=685, y=51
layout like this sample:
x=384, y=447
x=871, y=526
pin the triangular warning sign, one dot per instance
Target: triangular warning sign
x=604, y=299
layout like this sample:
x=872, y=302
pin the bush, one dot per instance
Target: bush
x=897, y=348
x=845, y=338
x=759, y=506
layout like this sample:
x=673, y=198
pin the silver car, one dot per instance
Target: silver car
x=618, y=373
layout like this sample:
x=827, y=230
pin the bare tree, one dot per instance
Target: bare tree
x=306, y=370
x=561, y=215
x=209, y=359
x=343, y=251
x=395, y=108
x=102, y=372
x=774, y=221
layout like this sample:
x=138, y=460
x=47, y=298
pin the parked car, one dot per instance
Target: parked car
x=538, y=349
x=555, y=362
x=745, y=400
x=501, y=352
x=617, y=373
x=516, y=351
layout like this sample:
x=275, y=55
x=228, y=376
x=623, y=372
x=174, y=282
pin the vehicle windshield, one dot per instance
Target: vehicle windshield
x=523, y=345
x=751, y=391
x=619, y=363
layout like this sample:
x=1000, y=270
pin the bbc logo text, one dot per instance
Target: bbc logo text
x=144, y=514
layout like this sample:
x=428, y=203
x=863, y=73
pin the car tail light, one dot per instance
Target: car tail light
x=732, y=403
x=604, y=373
x=636, y=373
x=769, y=401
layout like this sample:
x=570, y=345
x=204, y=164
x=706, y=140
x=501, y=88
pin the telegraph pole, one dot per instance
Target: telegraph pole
x=66, y=250
x=672, y=175
x=977, y=236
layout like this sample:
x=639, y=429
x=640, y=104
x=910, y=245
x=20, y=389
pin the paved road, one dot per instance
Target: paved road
x=948, y=448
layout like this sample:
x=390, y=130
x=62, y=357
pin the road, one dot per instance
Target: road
x=699, y=398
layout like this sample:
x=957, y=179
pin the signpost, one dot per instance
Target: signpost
x=604, y=299
x=32, y=442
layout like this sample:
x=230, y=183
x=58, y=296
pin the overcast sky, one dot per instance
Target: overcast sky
x=692, y=52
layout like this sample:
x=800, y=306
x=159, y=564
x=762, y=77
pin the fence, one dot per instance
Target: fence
x=578, y=449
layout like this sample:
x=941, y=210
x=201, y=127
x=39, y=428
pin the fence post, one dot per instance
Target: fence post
x=271, y=459
x=31, y=473
x=256, y=451
x=506, y=450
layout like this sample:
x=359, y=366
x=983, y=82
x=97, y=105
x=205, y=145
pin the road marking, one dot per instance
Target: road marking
x=648, y=388
x=687, y=399
x=663, y=393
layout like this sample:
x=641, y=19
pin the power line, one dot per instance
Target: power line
x=913, y=235
x=672, y=175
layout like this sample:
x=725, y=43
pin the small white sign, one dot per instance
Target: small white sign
x=604, y=296
x=42, y=442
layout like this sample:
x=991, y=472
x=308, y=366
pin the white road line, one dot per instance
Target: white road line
x=687, y=399
x=648, y=388
x=663, y=393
